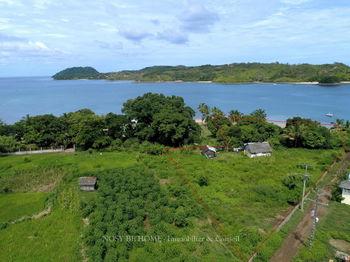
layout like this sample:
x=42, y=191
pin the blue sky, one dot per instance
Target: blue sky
x=41, y=37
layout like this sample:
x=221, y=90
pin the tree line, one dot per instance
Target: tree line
x=238, y=128
x=152, y=118
x=155, y=120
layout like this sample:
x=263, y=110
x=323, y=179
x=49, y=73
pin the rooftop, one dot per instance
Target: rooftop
x=259, y=147
x=87, y=181
x=345, y=184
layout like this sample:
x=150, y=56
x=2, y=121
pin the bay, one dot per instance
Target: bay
x=20, y=96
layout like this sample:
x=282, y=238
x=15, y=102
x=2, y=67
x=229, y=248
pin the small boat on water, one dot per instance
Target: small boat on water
x=329, y=114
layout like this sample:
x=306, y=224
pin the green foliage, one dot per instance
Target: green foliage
x=203, y=181
x=8, y=144
x=166, y=120
x=302, y=132
x=337, y=194
x=238, y=72
x=151, y=148
x=84, y=128
x=127, y=200
x=78, y=73
x=329, y=79
x=294, y=184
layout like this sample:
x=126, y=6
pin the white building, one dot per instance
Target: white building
x=258, y=149
x=345, y=185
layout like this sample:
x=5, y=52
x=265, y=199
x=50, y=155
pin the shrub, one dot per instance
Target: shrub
x=3, y=226
x=132, y=144
x=152, y=149
x=26, y=160
x=203, y=181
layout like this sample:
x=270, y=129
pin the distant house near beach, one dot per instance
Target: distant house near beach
x=87, y=183
x=345, y=186
x=257, y=149
x=209, y=152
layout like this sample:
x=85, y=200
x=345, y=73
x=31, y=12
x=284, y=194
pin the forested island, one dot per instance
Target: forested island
x=228, y=73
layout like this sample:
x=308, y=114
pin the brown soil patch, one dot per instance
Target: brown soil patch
x=340, y=244
x=163, y=181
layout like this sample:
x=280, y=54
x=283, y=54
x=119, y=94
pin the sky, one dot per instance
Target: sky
x=42, y=37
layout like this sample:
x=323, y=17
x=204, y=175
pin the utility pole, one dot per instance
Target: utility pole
x=305, y=178
x=314, y=216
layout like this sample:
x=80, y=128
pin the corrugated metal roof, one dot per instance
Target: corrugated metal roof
x=345, y=184
x=87, y=181
x=259, y=147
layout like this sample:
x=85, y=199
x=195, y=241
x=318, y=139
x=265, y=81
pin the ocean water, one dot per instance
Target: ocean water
x=20, y=96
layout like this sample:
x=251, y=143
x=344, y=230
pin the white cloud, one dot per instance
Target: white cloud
x=56, y=35
x=295, y=2
x=11, y=3
x=198, y=19
x=173, y=36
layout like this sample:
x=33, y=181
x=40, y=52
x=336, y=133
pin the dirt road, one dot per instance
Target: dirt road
x=300, y=234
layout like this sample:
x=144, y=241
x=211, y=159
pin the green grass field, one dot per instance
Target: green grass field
x=17, y=205
x=242, y=193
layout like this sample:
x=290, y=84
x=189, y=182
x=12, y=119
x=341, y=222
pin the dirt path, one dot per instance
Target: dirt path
x=300, y=234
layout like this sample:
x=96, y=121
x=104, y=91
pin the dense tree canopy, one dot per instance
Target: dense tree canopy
x=78, y=73
x=162, y=119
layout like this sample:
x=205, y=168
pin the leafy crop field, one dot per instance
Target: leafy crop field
x=146, y=195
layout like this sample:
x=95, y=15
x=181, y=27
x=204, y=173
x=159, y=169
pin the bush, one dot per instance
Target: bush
x=203, y=181
x=26, y=160
x=152, y=149
x=3, y=226
x=8, y=144
x=132, y=144
x=6, y=190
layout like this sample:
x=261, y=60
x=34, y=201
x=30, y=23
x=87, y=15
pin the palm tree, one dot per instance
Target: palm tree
x=235, y=115
x=296, y=133
x=205, y=111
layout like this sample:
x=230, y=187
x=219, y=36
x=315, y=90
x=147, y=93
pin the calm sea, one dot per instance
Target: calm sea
x=41, y=95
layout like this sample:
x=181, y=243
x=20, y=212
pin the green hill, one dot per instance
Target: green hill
x=78, y=73
x=228, y=73
x=238, y=72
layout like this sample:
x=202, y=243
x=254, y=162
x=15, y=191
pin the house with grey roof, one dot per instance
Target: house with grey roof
x=87, y=183
x=257, y=149
x=345, y=186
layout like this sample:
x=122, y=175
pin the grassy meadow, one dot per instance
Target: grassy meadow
x=245, y=195
x=334, y=227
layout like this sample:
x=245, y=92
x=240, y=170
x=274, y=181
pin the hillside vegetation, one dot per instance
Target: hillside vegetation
x=78, y=73
x=228, y=73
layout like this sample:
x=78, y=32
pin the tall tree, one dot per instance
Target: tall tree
x=205, y=111
x=163, y=119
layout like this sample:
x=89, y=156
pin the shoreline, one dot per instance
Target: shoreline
x=223, y=83
x=282, y=124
